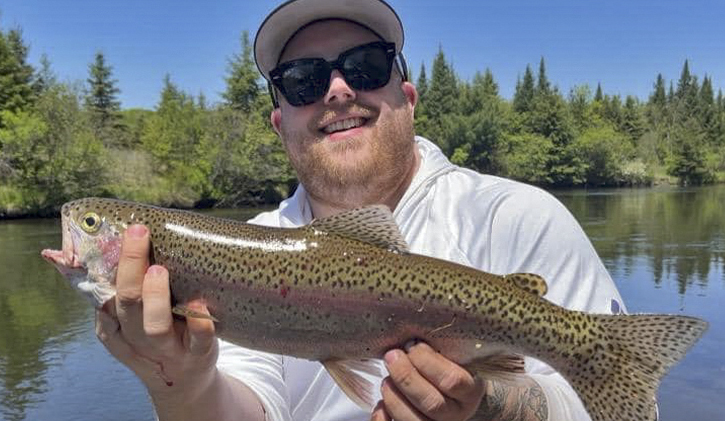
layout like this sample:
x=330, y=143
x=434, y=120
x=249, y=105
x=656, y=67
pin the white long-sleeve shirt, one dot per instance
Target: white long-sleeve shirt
x=490, y=223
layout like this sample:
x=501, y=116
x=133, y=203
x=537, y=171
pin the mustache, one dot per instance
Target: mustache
x=331, y=113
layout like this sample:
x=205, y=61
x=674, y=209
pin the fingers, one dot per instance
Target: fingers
x=398, y=406
x=379, y=413
x=157, y=319
x=423, y=383
x=406, y=385
x=129, y=277
x=446, y=376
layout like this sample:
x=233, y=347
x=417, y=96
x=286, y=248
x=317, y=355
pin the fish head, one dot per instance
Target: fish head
x=91, y=248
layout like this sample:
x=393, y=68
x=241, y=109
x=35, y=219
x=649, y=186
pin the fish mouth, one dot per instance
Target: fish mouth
x=65, y=265
x=65, y=260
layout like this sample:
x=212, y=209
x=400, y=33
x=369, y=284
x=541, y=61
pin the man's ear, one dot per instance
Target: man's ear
x=411, y=93
x=276, y=118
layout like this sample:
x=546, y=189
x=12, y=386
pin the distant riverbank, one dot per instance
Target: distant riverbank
x=9, y=209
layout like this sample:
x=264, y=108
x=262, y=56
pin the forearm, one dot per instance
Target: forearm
x=224, y=398
x=524, y=401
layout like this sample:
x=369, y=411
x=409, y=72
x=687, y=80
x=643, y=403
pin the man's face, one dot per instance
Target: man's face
x=348, y=139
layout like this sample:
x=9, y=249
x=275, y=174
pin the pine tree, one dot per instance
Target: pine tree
x=174, y=137
x=707, y=110
x=579, y=106
x=45, y=78
x=659, y=97
x=684, y=85
x=490, y=87
x=422, y=83
x=632, y=124
x=524, y=95
x=599, y=96
x=657, y=106
x=443, y=91
x=543, y=86
x=482, y=91
x=16, y=75
x=242, y=79
x=422, y=87
x=101, y=99
x=686, y=94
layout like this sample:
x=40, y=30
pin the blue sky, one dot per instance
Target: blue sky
x=622, y=44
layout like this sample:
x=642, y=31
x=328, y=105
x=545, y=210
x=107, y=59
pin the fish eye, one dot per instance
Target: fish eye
x=90, y=222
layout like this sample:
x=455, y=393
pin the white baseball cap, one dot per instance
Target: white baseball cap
x=284, y=21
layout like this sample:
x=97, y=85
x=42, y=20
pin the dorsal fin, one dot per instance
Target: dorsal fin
x=371, y=224
x=529, y=282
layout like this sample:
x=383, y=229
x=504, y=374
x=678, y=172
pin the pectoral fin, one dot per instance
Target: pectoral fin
x=187, y=312
x=357, y=388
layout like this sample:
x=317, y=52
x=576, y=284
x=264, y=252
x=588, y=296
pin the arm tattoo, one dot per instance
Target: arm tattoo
x=503, y=402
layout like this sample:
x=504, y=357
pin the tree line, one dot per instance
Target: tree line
x=63, y=140
x=586, y=138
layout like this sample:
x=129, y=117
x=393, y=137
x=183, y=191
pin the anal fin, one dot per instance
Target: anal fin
x=501, y=367
x=357, y=388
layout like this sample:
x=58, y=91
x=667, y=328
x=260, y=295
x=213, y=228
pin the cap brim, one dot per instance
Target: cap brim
x=289, y=17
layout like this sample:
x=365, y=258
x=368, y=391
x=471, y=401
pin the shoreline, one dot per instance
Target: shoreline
x=17, y=214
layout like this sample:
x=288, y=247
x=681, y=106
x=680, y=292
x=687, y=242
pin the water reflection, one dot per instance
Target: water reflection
x=38, y=314
x=680, y=231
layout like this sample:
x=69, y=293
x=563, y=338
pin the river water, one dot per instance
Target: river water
x=665, y=249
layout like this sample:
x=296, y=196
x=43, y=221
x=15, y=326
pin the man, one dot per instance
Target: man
x=344, y=111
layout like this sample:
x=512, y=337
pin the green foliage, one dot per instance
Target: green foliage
x=17, y=91
x=242, y=79
x=101, y=101
x=524, y=95
x=422, y=87
x=603, y=151
x=174, y=137
x=527, y=157
x=543, y=86
x=249, y=163
x=632, y=123
x=443, y=91
x=45, y=78
x=687, y=160
x=52, y=154
x=580, y=106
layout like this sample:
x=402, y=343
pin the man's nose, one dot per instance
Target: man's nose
x=339, y=91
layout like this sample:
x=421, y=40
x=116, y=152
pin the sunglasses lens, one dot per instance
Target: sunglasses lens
x=366, y=69
x=305, y=81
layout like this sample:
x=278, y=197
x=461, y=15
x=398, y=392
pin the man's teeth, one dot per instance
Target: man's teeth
x=348, y=123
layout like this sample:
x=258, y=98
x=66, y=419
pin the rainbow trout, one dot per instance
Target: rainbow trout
x=343, y=290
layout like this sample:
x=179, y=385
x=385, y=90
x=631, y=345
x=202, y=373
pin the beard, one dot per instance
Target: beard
x=360, y=170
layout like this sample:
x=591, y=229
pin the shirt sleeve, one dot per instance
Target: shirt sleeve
x=260, y=371
x=531, y=231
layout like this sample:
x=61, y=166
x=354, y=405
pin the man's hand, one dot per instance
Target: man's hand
x=171, y=357
x=424, y=385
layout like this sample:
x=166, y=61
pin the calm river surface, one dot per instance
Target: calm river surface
x=665, y=248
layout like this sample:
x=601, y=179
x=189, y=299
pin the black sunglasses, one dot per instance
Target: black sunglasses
x=306, y=80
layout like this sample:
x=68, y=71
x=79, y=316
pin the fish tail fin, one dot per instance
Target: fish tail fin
x=620, y=378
